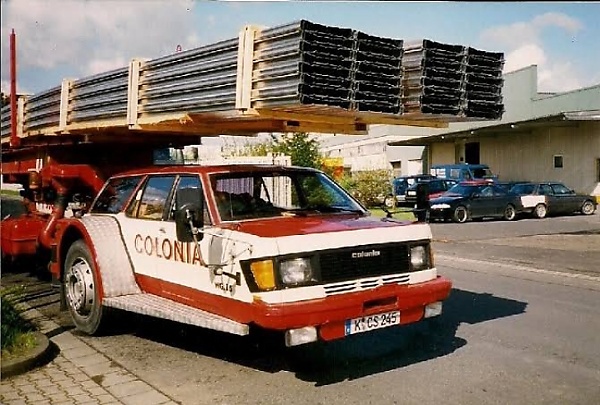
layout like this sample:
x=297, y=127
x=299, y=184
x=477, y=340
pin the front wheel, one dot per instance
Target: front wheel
x=81, y=289
x=509, y=212
x=460, y=214
x=588, y=208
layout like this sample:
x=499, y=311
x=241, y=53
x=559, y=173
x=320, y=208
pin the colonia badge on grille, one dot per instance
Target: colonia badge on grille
x=372, y=253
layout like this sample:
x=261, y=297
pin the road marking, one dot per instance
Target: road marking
x=518, y=267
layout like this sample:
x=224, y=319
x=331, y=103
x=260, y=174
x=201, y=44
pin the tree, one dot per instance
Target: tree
x=302, y=150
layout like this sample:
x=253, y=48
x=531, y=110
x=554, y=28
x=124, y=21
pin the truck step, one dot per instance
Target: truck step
x=158, y=307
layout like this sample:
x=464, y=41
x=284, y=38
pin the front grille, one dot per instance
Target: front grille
x=364, y=261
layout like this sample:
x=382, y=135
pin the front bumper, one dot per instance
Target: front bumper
x=329, y=314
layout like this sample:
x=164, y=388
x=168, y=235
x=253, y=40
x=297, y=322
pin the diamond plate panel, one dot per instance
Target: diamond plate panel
x=158, y=307
x=113, y=260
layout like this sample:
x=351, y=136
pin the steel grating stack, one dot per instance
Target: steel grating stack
x=309, y=63
x=432, y=81
x=482, y=84
x=304, y=63
x=452, y=80
x=377, y=74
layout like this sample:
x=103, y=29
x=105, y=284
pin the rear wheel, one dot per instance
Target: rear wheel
x=588, y=208
x=509, y=212
x=540, y=211
x=460, y=214
x=81, y=289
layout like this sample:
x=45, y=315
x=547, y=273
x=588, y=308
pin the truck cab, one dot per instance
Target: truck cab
x=463, y=171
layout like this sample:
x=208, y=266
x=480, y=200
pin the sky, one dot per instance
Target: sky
x=60, y=39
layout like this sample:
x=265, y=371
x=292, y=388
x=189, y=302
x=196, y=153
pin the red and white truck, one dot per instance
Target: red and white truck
x=228, y=247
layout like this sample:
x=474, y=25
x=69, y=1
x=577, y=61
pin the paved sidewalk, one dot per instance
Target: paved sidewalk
x=78, y=375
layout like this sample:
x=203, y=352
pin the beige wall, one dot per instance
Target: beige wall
x=529, y=155
x=442, y=153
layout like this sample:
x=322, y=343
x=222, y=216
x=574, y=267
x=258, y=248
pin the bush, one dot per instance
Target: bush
x=370, y=187
x=13, y=324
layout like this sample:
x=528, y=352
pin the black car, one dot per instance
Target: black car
x=399, y=186
x=474, y=200
x=552, y=198
x=435, y=188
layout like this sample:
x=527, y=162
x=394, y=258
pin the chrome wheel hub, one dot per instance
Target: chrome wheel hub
x=79, y=287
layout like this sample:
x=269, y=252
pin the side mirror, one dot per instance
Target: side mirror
x=475, y=195
x=189, y=214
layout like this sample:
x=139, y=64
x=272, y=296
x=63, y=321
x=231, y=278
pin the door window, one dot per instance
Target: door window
x=560, y=189
x=153, y=200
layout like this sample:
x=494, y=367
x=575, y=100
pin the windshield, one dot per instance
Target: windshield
x=241, y=196
x=461, y=189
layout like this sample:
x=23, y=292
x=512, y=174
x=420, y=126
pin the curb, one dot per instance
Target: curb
x=43, y=352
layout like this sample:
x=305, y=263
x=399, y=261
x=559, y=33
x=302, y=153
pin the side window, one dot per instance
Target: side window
x=115, y=195
x=560, y=189
x=154, y=197
x=545, y=190
x=487, y=192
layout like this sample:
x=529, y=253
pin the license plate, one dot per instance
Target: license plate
x=372, y=322
x=412, y=193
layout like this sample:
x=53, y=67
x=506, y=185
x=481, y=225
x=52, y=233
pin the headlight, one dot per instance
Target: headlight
x=419, y=258
x=296, y=271
x=440, y=206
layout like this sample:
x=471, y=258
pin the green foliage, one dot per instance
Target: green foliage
x=13, y=323
x=371, y=186
x=302, y=150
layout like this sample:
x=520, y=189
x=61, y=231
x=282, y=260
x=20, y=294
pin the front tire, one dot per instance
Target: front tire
x=509, y=212
x=588, y=208
x=540, y=211
x=460, y=215
x=81, y=289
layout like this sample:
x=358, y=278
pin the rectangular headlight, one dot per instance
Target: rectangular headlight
x=419, y=258
x=296, y=271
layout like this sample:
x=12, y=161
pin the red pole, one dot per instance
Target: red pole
x=15, y=142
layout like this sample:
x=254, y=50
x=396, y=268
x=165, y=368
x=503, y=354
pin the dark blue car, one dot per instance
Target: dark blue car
x=475, y=200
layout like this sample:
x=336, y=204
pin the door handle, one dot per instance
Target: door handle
x=162, y=230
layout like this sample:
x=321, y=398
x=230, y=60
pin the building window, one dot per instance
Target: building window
x=598, y=170
x=558, y=161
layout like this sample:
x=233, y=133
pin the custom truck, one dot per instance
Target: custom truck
x=225, y=247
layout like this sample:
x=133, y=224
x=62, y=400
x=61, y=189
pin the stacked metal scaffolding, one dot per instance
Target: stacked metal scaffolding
x=299, y=68
x=303, y=63
x=377, y=74
x=452, y=79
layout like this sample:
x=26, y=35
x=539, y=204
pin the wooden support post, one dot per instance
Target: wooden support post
x=133, y=89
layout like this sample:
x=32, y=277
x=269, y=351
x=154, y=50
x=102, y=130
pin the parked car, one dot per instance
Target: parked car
x=475, y=200
x=552, y=198
x=397, y=198
x=463, y=172
x=435, y=188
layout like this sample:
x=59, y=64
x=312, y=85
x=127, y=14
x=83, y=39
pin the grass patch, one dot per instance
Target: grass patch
x=16, y=332
x=406, y=215
x=10, y=193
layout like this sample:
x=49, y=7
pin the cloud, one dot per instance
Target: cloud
x=93, y=34
x=509, y=36
x=523, y=45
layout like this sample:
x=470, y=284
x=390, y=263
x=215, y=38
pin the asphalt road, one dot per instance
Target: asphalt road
x=520, y=327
